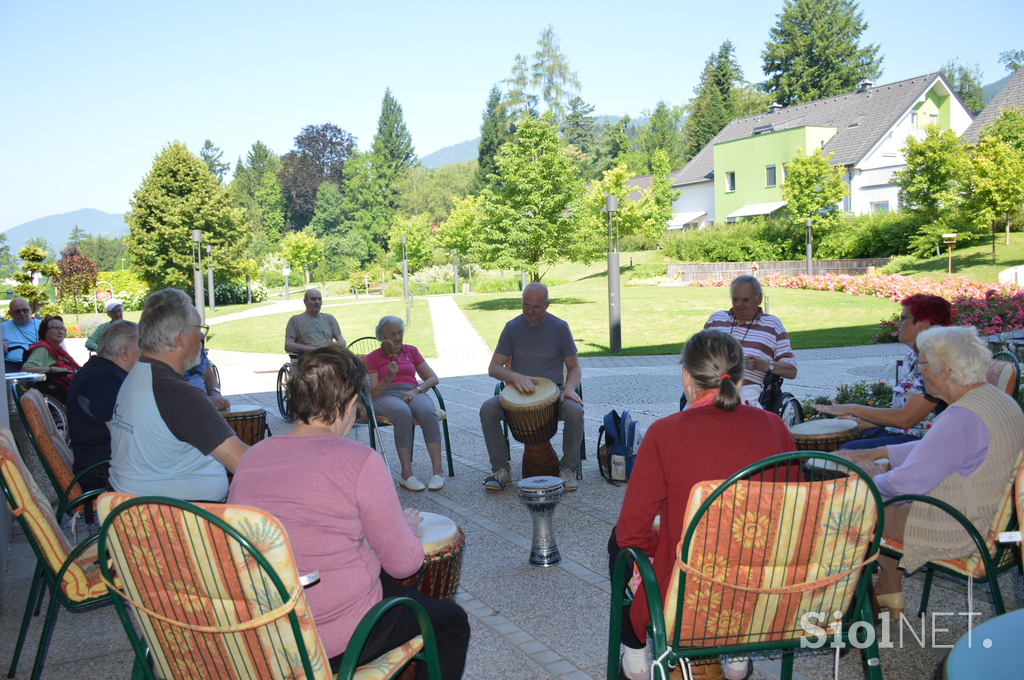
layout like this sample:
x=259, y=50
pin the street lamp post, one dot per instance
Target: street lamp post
x=614, y=302
x=209, y=274
x=122, y=264
x=405, y=284
x=810, y=253
x=197, y=275
x=455, y=264
x=286, y=271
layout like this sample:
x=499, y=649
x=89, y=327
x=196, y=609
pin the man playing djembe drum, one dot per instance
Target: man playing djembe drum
x=764, y=340
x=539, y=345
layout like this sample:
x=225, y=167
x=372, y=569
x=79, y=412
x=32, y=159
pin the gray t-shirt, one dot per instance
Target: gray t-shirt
x=313, y=331
x=161, y=436
x=537, y=351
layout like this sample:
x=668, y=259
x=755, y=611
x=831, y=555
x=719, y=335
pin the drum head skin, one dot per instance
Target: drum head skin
x=545, y=392
x=832, y=426
x=242, y=410
x=539, y=485
x=436, y=532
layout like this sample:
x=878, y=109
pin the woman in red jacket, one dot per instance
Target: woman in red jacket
x=49, y=358
x=714, y=438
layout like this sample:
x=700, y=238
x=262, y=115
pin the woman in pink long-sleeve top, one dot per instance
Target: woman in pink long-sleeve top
x=336, y=499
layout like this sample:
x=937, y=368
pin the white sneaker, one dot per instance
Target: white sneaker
x=436, y=483
x=569, y=477
x=412, y=484
x=498, y=481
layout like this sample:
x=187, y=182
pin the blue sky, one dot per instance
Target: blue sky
x=93, y=91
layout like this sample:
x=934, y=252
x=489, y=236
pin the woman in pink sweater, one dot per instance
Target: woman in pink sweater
x=336, y=499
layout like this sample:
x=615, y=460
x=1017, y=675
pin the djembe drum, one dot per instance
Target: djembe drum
x=443, y=543
x=533, y=420
x=249, y=422
x=824, y=435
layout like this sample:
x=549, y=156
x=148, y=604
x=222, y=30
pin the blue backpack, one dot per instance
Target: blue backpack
x=616, y=457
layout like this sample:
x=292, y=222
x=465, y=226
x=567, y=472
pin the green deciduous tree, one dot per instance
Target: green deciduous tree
x=814, y=189
x=302, y=249
x=933, y=179
x=419, y=243
x=33, y=261
x=1007, y=127
x=1011, y=59
x=211, y=155
x=519, y=102
x=463, y=229
x=813, y=51
x=432, y=192
x=996, y=186
x=366, y=206
x=269, y=211
x=41, y=242
x=494, y=132
x=966, y=82
x=178, y=195
x=329, y=215
x=535, y=219
x=7, y=264
x=648, y=215
x=551, y=73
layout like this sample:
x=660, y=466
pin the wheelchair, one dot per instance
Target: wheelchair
x=58, y=411
x=782, y=404
x=283, y=376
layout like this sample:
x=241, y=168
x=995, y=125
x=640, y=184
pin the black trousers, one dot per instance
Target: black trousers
x=398, y=625
x=629, y=637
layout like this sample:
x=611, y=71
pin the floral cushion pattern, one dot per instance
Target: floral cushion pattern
x=52, y=447
x=1003, y=375
x=973, y=564
x=389, y=665
x=173, y=563
x=769, y=536
x=82, y=579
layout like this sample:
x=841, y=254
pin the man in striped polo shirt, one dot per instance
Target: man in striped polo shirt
x=763, y=337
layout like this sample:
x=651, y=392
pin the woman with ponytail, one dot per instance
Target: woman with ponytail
x=715, y=437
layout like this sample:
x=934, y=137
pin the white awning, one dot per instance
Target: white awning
x=680, y=220
x=756, y=209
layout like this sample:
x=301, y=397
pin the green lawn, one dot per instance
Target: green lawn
x=975, y=262
x=658, y=320
x=357, y=319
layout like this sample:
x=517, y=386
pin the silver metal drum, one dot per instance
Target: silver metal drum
x=540, y=495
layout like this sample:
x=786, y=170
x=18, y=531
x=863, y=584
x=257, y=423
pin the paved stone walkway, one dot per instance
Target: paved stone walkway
x=454, y=336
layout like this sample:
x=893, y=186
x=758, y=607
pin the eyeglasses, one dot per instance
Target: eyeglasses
x=204, y=329
x=906, y=318
x=24, y=310
x=58, y=329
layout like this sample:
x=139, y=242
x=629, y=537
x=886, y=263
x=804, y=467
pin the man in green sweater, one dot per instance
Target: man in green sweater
x=115, y=310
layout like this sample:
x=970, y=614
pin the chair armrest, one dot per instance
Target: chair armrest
x=78, y=501
x=84, y=472
x=650, y=582
x=440, y=401
x=955, y=514
x=370, y=619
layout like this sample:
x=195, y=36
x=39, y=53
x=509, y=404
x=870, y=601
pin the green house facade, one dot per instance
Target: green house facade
x=741, y=172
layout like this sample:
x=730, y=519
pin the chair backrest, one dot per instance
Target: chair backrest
x=29, y=504
x=768, y=536
x=363, y=346
x=49, y=443
x=1003, y=374
x=216, y=566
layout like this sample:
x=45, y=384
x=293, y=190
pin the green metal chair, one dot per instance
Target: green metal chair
x=499, y=386
x=1012, y=382
x=363, y=346
x=762, y=566
x=68, y=572
x=216, y=593
x=991, y=558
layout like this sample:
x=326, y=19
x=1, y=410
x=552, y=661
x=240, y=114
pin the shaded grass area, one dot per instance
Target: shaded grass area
x=357, y=319
x=974, y=262
x=658, y=320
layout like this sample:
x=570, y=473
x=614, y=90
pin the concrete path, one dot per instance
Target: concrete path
x=460, y=349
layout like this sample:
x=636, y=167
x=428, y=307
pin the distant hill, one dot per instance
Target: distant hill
x=992, y=89
x=57, y=228
x=456, y=153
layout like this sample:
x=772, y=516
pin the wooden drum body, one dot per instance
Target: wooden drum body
x=824, y=435
x=443, y=543
x=533, y=420
x=248, y=421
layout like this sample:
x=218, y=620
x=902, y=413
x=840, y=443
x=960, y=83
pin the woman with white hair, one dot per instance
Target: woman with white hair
x=965, y=459
x=398, y=396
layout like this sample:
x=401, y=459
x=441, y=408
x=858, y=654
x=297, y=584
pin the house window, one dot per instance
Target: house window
x=880, y=207
x=913, y=119
x=730, y=181
x=933, y=118
x=769, y=176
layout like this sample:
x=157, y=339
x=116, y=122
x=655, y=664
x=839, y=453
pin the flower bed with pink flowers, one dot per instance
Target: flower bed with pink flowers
x=991, y=307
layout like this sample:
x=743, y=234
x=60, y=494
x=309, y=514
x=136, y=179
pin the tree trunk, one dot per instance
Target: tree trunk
x=1007, y=217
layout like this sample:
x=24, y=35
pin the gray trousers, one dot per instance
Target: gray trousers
x=401, y=414
x=569, y=411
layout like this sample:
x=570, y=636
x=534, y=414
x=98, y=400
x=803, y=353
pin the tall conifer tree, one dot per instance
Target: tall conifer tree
x=493, y=133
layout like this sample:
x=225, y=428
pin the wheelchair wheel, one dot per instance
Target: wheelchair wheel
x=283, y=376
x=60, y=417
x=791, y=412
